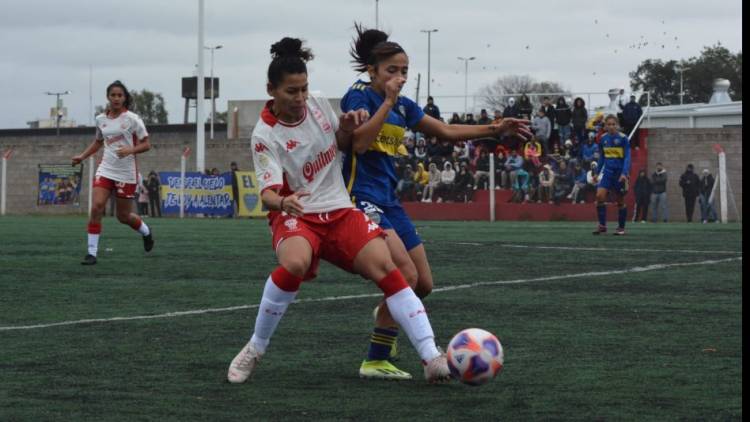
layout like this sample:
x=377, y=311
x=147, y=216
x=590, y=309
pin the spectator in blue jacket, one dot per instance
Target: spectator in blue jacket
x=513, y=163
x=588, y=151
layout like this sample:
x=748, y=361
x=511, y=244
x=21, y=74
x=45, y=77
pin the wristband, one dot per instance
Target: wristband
x=281, y=204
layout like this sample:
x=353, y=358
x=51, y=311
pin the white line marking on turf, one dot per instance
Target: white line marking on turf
x=581, y=248
x=653, y=267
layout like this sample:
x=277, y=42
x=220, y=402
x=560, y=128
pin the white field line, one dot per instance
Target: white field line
x=580, y=248
x=653, y=267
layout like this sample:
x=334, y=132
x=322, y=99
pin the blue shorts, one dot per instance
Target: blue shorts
x=610, y=179
x=392, y=217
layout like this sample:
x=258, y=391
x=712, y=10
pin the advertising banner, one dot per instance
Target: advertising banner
x=60, y=184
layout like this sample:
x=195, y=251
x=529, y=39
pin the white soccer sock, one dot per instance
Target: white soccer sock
x=271, y=309
x=93, y=244
x=144, y=230
x=410, y=314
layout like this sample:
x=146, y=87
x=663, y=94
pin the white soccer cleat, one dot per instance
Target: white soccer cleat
x=243, y=364
x=436, y=371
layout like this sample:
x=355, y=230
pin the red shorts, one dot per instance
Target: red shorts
x=122, y=190
x=336, y=236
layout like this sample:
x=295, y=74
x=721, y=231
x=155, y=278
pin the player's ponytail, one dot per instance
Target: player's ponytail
x=371, y=47
x=128, y=103
x=287, y=56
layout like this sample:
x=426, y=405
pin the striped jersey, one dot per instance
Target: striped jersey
x=614, y=153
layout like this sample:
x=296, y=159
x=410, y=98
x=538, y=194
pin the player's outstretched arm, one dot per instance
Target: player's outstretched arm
x=366, y=133
x=433, y=127
x=89, y=151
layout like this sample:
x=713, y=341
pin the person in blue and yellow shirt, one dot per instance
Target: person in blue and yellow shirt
x=371, y=179
x=614, y=162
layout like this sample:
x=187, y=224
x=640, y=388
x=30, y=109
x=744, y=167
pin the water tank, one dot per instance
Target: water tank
x=721, y=92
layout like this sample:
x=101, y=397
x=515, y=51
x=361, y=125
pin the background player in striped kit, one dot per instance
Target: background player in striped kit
x=123, y=135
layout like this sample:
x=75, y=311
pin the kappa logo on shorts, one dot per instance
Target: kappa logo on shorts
x=371, y=227
x=291, y=224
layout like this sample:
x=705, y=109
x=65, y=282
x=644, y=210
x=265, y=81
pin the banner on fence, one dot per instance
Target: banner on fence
x=59, y=184
x=208, y=195
x=249, y=203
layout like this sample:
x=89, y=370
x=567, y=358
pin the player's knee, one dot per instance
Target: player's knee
x=297, y=266
x=423, y=289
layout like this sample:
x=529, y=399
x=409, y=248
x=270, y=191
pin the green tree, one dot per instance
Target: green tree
x=150, y=106
x=662, y=78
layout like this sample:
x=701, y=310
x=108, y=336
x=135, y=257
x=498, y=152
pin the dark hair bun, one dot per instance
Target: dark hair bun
x=366, y=40
x=290, y=47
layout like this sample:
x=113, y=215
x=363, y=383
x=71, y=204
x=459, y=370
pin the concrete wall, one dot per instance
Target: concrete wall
x=32, y=147
x=676, y=148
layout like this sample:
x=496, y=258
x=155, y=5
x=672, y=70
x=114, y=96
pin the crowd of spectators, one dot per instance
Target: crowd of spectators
x=554, y=166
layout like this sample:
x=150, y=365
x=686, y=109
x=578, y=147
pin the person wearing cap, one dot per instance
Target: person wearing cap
x=708, y=212
x=690, y=184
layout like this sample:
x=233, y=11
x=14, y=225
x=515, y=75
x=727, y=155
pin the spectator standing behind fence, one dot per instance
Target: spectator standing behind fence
x=542, y=128
x=482, y=172
x=447, y=180
x=579, y=117
x=513, y=163
x=525, y=109
x=455, y=120
x=659, y=194
x=142, y=196
x=563, y=116
x=579, y=183
x=549, y=112
x=708, y=212
x=642, y=190
x=690, y=184
x=432, y=184
x=154, y=201
x=546, y=184
x=520, y=186
x=511, y=110
x=484, y=118
x=563, y=183
x=631, y=112
x=464, y=185
x=431, y=109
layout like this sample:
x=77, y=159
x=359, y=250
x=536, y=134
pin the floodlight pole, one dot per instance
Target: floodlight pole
x=200, y=127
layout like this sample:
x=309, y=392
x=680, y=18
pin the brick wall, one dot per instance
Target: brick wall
x=34, y=147
x=676, y=148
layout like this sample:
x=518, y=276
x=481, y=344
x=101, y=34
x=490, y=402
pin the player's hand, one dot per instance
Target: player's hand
x=623, y=178
x=353, y=119
x=393, y=88
x=515, y=127
x=124, y=152
x=77, y=160
x=292, y=204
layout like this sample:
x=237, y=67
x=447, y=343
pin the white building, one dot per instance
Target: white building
x=720, y=111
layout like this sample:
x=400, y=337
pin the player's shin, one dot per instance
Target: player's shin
x=280, y=290
x=601, y=212
x=622, y=215
x=409, y=312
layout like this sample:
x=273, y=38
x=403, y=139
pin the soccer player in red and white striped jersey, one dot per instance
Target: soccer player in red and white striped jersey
x=123, y=135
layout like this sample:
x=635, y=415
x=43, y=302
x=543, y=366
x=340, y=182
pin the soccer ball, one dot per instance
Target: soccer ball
x=475, y=356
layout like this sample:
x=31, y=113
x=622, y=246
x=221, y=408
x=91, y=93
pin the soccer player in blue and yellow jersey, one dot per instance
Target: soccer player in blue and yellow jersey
x=614, y=162
x=371, y=179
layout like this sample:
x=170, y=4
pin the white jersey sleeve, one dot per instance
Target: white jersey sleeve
x=268, y=168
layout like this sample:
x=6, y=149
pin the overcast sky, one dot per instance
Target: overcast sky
x=585, y=45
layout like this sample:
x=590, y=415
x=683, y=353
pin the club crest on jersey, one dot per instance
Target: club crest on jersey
x=291, y=224
x=322, y=121
x=617, y=141
x=266, y=176
x=259, y=147
x=291, y=144
x=311, y=168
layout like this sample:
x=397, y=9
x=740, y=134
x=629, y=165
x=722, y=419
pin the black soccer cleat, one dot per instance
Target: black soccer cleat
x=148, y=242
x=88, y=260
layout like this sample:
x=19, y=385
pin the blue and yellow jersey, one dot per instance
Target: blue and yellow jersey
x=614, y=153
x=371, y=176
